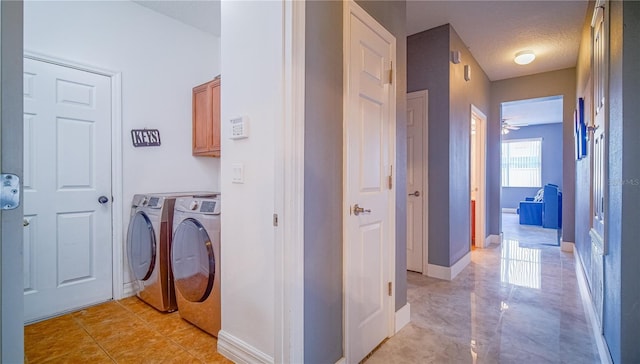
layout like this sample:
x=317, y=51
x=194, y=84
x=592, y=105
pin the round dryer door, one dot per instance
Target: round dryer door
x=193, y=261
x=141, y=246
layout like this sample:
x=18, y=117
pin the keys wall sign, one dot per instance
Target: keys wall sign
x=145, y=137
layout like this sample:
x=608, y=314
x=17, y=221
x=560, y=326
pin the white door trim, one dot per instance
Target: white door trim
x=481, y=165
x=351, y=7
x=289, y=194
x=116, y=160
x=425, y=178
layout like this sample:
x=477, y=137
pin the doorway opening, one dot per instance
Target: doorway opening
x=531, y=170
x=477, y=173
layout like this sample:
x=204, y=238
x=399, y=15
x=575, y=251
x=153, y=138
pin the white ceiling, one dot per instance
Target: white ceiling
x=544, y=110
x=492, y=30
x=201, y=14
x=495, y=30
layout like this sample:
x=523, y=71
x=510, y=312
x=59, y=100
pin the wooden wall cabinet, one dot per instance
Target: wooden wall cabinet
x=206, y=119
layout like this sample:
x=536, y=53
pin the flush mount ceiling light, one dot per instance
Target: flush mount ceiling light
x=524, y=57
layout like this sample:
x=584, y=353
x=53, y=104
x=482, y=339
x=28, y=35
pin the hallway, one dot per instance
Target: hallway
x=516, y=302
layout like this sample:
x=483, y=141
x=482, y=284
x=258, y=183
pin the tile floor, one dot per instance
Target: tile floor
x=125, y=331
x=517, y=302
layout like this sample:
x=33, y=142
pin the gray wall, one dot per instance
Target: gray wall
x=323, y=183
x=428, y=68
x=561, y=82
x=12, y=342
x=630, y=289
x=622, y=193
x=323, y=171
x=551, y=135
x=462, y=95
x=622, y=286
x=450, y=99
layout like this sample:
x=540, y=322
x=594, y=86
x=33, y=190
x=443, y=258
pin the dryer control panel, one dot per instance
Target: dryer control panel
x=205, y=206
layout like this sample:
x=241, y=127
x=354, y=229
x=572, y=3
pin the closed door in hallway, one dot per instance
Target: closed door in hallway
x=416, y=180
x=67, y=189
x=369, y=193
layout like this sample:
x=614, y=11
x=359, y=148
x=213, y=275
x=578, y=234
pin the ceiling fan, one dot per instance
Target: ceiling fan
x=506, y=127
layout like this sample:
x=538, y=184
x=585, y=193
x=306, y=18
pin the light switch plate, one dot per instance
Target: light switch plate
x=237, y=174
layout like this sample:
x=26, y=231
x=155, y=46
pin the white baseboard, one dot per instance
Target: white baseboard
x=403, y=316
x=128, y=290
x=342, y=360
x=603, y=350
x=239, y=351
x=508, y=210
x=492, y=239
x=566, y=246
x=449, y=273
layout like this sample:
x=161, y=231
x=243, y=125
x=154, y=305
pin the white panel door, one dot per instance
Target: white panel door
x=369, y=156
x=416, y=167
x=67, y=168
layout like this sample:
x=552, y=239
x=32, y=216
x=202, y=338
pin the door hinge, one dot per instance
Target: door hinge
x=389, y=80
x=275, y=220
x=390, y=182
x=390, y=288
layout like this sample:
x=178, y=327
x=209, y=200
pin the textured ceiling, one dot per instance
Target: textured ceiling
x=495, y=30
x=201, y=14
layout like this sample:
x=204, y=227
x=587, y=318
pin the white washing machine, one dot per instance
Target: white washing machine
x=149, y=247
x=195, y=261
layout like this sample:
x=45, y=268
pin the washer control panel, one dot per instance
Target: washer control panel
x=208, y=206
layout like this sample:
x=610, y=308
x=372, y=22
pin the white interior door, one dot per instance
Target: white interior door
x=67, y=169
x=369, y=154
x=416, y=180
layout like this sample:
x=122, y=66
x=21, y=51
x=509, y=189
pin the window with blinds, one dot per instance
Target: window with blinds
x=522, y=163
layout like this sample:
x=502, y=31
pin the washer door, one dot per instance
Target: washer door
x=193, y=261
x=141, y=246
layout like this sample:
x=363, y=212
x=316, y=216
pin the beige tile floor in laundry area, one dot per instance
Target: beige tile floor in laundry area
x=125, y=331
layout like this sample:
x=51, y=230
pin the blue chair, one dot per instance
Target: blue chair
x=544, y=210
x=530, y=212
x=552, y=210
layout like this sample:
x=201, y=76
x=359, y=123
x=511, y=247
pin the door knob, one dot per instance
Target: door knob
x=417, y=194
x=103, y=200
x=357, y=210
x=25, y=222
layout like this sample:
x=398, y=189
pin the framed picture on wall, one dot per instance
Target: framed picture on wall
x=576, y=135
x=582, y=126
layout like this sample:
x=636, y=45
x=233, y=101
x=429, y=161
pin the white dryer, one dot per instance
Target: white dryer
x=195, y=261
x=149, y=245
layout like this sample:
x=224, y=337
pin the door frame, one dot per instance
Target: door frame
x=351, y=7
x=425, y=178
x=289, y=194
x=481, y=166
x=117, y=205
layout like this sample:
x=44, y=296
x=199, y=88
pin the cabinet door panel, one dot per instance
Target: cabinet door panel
x=206, y=119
